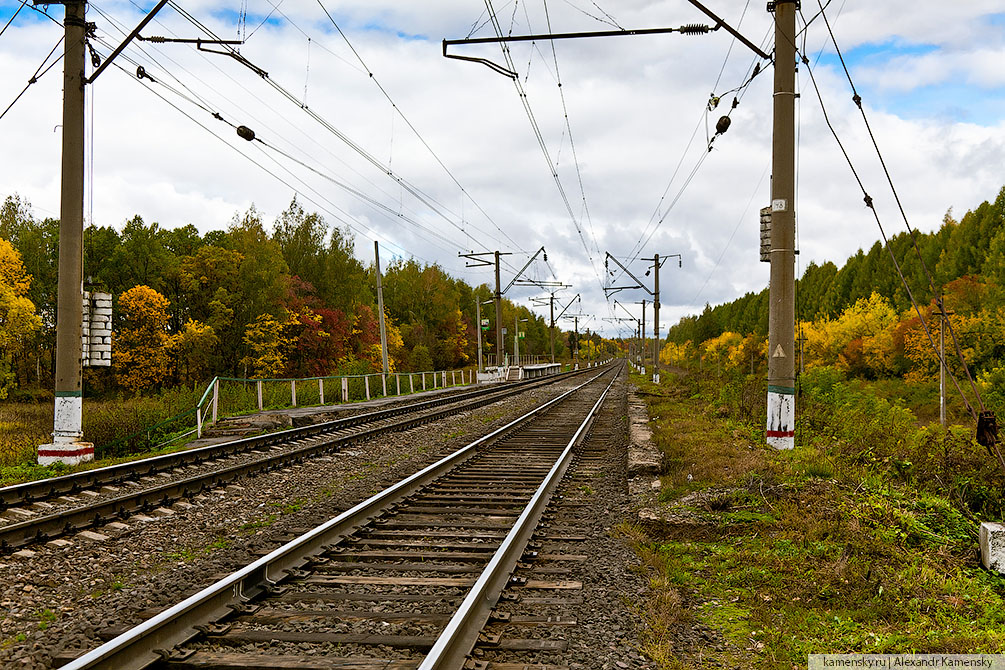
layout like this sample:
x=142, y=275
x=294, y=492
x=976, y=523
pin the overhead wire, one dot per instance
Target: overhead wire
x=525, y=102
x=416, y=192
x=568, y=127
x=205, y=107
x=12, y=17
x=871, y=206
x=857, y=99
x=347, y=219
x=415, y=131
x=657, y=218
x=39, y=73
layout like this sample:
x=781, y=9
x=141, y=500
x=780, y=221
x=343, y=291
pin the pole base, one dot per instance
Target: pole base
x=780, y=431
x=67, y=453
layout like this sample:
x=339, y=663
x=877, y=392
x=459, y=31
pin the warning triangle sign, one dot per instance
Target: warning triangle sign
x=778, y=352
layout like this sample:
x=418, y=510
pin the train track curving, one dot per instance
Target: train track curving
x=46, y=509
x=460, y=565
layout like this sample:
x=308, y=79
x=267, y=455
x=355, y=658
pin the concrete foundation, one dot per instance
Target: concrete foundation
x=993, y=546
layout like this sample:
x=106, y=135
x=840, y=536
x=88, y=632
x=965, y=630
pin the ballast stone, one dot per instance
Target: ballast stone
x=993, y=546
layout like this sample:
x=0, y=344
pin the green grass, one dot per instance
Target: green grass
x=854, y=542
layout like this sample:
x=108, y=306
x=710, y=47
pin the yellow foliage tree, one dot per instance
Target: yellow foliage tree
x=141, y=347
x=860, y=340
x=267, y=343
x=18, y=320
x=722, y=348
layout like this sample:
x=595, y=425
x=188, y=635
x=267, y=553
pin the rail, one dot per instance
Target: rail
x=145, y=644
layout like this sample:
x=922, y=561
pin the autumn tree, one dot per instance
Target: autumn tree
x=18, y=320
x=266, y=344
x=141, y=345
x=195, y=351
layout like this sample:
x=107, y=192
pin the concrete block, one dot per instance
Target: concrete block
x=58, y=544
x=140, y=517
x=117, y=525
x=17, y=514
x=91, y=535
x=89, y=494
x=109, y=489
x=163, y=511
x=102, y=311
x=181, y=506
x=42, y=506
x=993, y=546
x=24, y=553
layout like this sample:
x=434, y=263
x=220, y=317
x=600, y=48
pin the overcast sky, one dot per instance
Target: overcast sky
x=467, y=171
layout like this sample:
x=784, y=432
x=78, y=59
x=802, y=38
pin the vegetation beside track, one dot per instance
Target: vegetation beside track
x=862, y=539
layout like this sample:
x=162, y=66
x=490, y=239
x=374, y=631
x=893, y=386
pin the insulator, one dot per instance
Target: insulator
x=694, y=29
x=246, y=133
x=722, y=125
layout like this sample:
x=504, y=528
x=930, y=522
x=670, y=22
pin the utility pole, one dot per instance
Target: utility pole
x=478, y=327
x=550, y=301
x=642, y=331
x=380, y=306
x=67, y=435
x=500, y=345
x=943, y=317
x=781, y=420
x=67, y=432
x=656, y=318
x=657, y=262
x=551, y=329
x=499, y=292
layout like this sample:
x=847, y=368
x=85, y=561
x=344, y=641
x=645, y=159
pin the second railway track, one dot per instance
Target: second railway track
x=76, y=502
x=407, y=579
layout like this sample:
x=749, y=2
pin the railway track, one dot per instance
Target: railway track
x=46, y=509
x=442, y=570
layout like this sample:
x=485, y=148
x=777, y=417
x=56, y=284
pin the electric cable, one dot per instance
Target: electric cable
x=524, y=100
x=415, y=131
x=857, y=99
x=12, y=17
x=39, y=73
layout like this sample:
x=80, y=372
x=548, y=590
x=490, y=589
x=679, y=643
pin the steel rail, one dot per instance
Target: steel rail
x=19, y=494
x=15, y=535
x=456, y=641
x=152, y=640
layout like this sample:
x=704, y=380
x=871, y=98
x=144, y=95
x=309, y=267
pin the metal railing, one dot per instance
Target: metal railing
x=311, y=391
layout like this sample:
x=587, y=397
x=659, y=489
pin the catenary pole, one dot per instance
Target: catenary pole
x=380, y=306
x=656, y=318
x=478, y=318
x=67, y=435
x=781, y=419
x=500, y=345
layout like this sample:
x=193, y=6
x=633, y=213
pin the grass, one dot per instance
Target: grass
x=829, y=548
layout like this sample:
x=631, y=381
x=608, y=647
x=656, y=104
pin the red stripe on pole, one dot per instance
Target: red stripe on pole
x=65, y=452
x=781, y=433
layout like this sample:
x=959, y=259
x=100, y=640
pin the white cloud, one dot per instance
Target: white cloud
x=633, y=104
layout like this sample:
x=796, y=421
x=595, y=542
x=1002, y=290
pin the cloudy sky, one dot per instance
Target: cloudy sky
x=364, y=121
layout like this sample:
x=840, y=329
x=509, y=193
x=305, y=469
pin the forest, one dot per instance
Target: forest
x=253, y=300
x=859, y=318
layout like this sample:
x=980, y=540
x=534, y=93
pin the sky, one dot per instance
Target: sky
x=363, y=120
